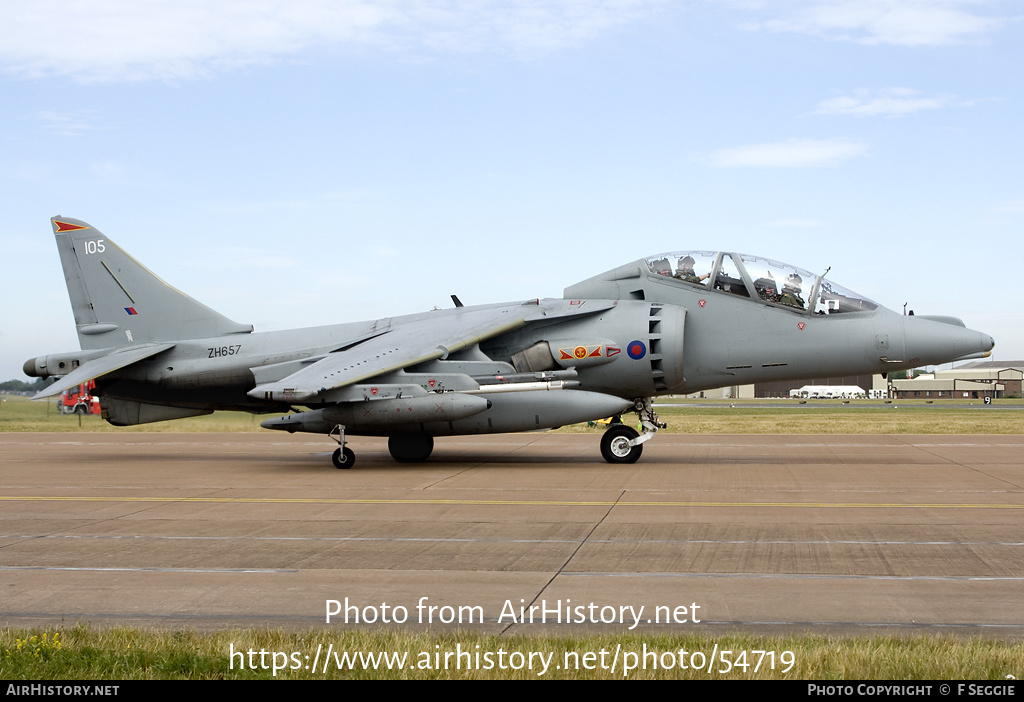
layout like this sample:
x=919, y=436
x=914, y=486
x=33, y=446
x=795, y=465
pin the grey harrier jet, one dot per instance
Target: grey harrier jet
x=673, y=323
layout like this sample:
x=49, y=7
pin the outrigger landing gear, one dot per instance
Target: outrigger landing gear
x=343, y=456
x=624, y=444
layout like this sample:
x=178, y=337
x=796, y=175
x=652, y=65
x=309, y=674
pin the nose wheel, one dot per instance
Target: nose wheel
x=624, y=444
x=617, y=445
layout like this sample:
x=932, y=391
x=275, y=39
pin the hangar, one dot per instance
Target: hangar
x=976, y=380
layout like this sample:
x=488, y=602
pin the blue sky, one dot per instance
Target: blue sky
x=319, y=161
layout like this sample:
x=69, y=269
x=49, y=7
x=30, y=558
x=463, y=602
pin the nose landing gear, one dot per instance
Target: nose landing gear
x=617, y=444
x=624, y=444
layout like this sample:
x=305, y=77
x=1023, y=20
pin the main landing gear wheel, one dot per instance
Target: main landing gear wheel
x=410, y=448
x=344, y=458
x=615, y=445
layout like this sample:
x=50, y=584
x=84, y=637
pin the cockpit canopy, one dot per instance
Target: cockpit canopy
x=760, y=279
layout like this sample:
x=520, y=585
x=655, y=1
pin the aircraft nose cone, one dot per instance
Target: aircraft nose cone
x=977, y=343
x=943, y=339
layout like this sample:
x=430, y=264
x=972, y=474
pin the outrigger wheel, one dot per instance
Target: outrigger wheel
x=344, y=458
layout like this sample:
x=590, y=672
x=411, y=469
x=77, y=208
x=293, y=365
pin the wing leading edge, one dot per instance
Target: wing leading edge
x=413, y=342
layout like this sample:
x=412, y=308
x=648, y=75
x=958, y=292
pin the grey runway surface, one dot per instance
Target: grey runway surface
x=778, y=534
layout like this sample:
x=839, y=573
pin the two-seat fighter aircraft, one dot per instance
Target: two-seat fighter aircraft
x=674, y=323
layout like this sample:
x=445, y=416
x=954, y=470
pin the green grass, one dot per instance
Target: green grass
x=697, y=417
x=21, y=414
x=87, y=653
x=835, y=418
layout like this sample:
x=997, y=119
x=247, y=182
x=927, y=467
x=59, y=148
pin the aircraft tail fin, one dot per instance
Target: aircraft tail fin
x=119, y=302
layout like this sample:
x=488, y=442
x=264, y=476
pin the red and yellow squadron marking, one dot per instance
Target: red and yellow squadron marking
x=581, y=352
x=68, y=227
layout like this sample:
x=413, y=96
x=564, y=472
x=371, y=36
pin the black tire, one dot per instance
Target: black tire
x=410, y=448
x=615, y=445
x=344, y=458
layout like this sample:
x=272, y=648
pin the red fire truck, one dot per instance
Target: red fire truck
x=79, y=400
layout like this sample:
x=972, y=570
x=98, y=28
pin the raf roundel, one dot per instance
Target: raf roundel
x=636, y=349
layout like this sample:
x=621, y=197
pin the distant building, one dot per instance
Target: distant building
x=829, y=392
x=871, y=385
x=975, y=380
x=851, y=386
x=730, y=392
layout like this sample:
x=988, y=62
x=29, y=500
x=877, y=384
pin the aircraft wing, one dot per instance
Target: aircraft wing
x=90, y=370
x=431, y=337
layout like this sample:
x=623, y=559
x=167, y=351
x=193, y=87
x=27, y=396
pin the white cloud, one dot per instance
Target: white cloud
x=898, y=22
x=792, y=153
x=890, y=102
x=118, y=40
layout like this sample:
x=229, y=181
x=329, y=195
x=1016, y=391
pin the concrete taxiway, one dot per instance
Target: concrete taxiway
x=827, y=533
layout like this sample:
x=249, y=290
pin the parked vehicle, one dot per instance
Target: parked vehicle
x=79, y=400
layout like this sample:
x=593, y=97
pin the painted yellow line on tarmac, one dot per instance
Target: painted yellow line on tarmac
x=527, y=503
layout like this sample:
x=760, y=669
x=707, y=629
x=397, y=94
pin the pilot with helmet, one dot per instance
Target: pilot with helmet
x=685, y=272
x=792, y=292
